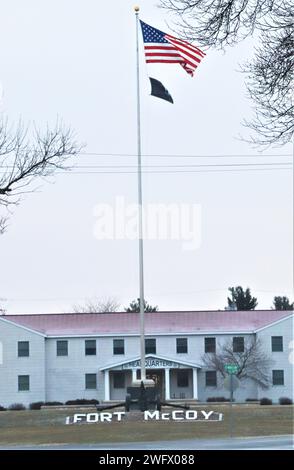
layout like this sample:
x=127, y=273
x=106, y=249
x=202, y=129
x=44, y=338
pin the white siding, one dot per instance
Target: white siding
x=180, y=392
x=120, y=393
x=247, y=389
x=12, y=366
x=62, y=378
x=281, y=360
x=65, y=375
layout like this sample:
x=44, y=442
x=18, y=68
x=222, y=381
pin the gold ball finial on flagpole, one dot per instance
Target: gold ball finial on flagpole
x=136, y=8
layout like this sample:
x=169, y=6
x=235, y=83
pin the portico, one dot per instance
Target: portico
x=176, y=379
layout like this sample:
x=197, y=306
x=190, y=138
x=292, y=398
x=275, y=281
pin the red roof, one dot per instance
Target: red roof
x=157, y=322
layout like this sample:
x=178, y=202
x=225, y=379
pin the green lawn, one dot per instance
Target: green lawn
x=47, y=426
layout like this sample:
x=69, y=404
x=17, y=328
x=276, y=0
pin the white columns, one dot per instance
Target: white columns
x=167, y=384
x=134, y=375
x=106, y=386
x=195, y=384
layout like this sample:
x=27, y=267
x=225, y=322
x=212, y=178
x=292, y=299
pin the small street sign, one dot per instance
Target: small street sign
x=231, y=368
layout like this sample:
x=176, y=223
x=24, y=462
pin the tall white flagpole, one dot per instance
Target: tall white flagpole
x=141, y=265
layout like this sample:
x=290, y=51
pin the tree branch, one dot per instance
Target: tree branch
x=24, y=160
x=253, y=363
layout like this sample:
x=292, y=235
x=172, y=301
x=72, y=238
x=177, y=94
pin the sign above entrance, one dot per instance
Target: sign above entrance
x=151, y=363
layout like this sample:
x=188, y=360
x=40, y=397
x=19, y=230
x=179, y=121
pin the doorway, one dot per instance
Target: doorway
x=157, y=375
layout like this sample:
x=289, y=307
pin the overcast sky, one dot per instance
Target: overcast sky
x=76, y=59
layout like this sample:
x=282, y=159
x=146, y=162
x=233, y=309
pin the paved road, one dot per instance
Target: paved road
x=244, y=443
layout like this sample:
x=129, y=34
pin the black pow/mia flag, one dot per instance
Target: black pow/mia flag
x=158, y=90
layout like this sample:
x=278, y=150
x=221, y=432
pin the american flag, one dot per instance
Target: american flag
x=163, y=48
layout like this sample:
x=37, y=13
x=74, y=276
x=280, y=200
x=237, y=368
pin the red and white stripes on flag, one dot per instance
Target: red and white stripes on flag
x=189, y=56
x=163, y=48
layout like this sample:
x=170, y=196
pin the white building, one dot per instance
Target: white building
x=60, y=357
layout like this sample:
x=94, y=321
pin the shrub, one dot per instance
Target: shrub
x=82, y=401
x=217, y=399
x=285, y=401
x=2, y=408
x=17, y=406
x=53, y=403
x=36, y=405
x=251, y=399
x=266, y=401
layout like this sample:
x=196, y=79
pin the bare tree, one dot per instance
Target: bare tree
x=97, y=306
x=216, y=23
x=26, y=156
x=2, y=225
x=270, y=80
x=253, y=363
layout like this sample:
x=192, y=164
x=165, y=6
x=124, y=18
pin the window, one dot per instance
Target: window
x=23, y=383
x=209, y=345
x=183, y=378
x=182, y=345
x=278, y=377
x=277, y=343
x=90, y=347
x=62, y=348
x=118, y=380
x=210, y=378
x=91, y=381
x=118, y=346
x=238, y=344
x=150, y=346
x=23, y=348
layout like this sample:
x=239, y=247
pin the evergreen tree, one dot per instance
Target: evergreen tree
x=240, y=299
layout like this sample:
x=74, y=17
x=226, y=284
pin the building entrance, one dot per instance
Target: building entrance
x=157, y=375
